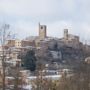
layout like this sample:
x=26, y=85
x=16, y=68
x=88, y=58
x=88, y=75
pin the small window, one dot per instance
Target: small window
x=41, y=27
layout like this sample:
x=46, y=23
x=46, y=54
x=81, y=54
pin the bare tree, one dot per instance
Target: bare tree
x=3, y=38
x=16, y=76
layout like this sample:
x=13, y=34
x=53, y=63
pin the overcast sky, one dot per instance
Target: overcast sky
x=24, y=16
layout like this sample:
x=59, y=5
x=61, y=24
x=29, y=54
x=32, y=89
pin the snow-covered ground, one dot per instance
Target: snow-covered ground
x=29, y=86
x=53, y=77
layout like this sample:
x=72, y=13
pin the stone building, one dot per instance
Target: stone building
x=14, y=43
x=20, y=43
x=70, y=37
x=26, y=43
x=42, y=32
x=66, y=34
x=71, y=40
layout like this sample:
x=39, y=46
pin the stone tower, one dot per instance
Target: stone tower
x=66, y=34
x=42, y=31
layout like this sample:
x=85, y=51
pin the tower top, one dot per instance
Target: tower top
x=65, y=34
x=42, y=31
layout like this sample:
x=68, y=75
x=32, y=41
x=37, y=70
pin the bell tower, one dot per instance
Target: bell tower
x=66, y=34
x=42, y=31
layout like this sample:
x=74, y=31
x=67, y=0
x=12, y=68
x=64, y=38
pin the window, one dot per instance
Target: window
x=41, y=27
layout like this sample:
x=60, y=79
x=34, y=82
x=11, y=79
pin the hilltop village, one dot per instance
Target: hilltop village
x=53, y=56
x=68, y=49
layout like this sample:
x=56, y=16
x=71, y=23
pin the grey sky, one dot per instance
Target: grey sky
x=24, y=15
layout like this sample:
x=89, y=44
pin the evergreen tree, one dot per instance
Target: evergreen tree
x=29, y=61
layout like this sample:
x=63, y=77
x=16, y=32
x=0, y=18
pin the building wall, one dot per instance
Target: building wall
x=70, y=37
x=42, y=31
x=66, y=34
x=11, y=43
x=73, y=38
x=18, y=43
x=27, y=43
x=14, y=43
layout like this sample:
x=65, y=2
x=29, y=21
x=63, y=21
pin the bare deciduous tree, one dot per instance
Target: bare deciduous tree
x=4, y=33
